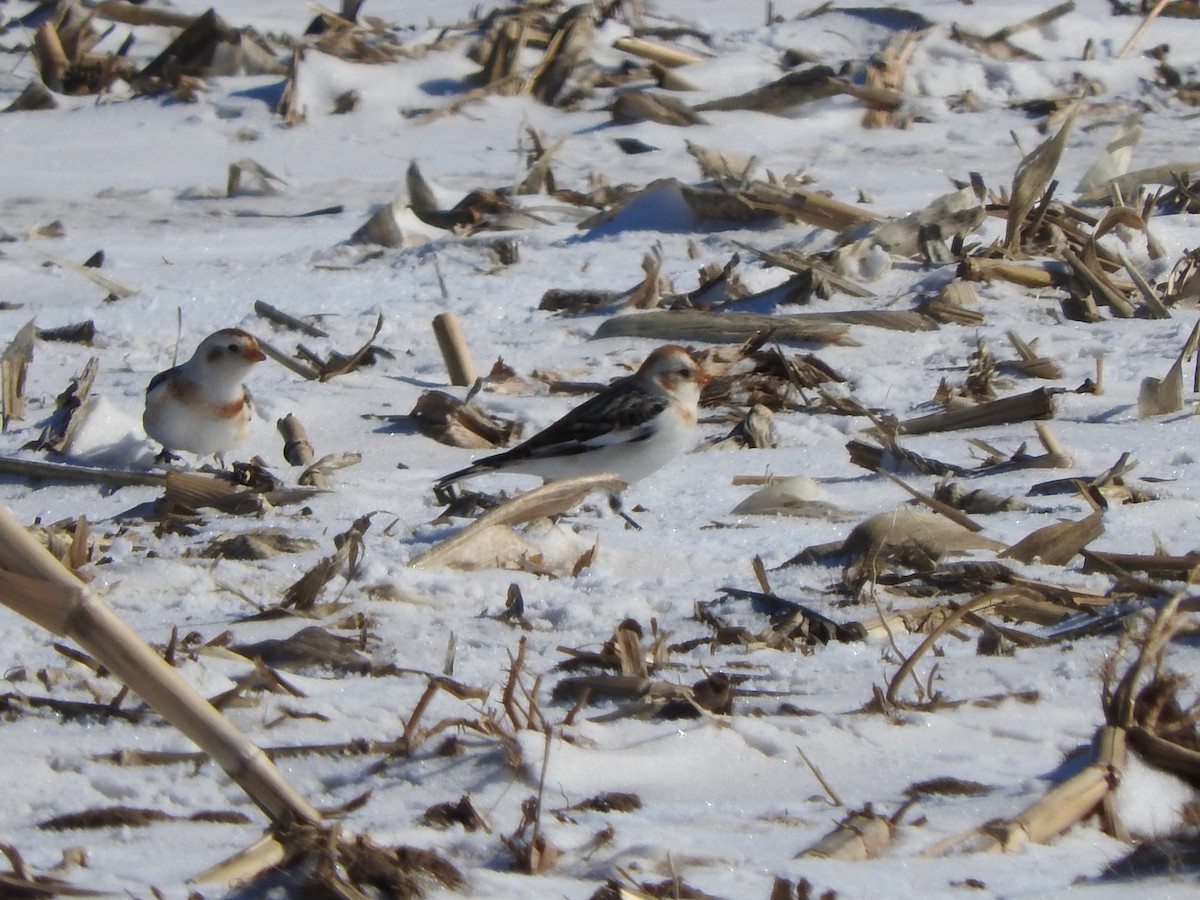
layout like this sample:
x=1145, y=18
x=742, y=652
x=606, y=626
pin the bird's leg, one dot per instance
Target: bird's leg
x=617, y=506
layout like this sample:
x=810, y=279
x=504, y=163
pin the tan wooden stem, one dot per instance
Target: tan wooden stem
x=39, y=587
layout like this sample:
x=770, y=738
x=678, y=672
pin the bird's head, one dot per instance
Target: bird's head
x=229, y=349
x=676, y=372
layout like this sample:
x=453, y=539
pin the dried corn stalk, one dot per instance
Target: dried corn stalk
x=480, y=536
x=1143, y=715
x=863, y=834
x=671, y=57
x=68, y=415
x=887, y=73
x=14, y=365
x=1036, y=404
x=38, y=587
x=718, y=328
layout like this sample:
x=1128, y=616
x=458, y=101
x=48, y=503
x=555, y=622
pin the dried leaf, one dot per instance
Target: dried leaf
x=1033, y=174
x=1057, y=544
x=303, y=593
x=112, y=286
x=309, y=647
x=448, y=420
x=261, y=544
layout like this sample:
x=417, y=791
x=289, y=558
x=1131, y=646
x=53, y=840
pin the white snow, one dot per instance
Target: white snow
x=728, y=802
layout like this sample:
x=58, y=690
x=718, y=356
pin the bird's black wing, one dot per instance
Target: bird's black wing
x=627, y=411
x=620, y=414
x=160, y=378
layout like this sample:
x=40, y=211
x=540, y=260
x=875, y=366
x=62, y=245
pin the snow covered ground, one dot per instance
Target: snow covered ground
x=727, y=801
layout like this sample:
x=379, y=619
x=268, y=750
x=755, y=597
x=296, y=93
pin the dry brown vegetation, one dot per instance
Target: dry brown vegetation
x=912, y=554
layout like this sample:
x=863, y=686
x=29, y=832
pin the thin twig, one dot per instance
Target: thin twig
x=1150, y=17
x=837, y=801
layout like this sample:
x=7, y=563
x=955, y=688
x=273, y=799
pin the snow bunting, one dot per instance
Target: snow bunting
x=202, y=406
x=631, y=429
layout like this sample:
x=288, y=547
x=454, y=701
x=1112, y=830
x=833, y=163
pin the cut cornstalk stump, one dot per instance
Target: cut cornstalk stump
x=14, y=366
x=455, y=352
x=299, y=452
x=863, y=834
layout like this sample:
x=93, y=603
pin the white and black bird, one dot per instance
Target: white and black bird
x=202, y=405
x=631, y=429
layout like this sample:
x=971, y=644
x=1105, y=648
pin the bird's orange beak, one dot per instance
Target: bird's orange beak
x=254, y=354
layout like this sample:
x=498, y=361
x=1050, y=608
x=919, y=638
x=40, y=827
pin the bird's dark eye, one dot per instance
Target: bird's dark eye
x=233, y=348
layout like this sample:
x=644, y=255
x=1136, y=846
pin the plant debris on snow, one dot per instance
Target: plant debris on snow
x=921, y=590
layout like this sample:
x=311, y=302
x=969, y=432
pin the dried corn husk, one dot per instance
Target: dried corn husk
x=1160, y=396
x=1113, y=161
x=861, y=835
x=548, y=500
x=1036, y=404
x=1033, y=174
x=1057, y=544
x=797, y=496
x=451, y=421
